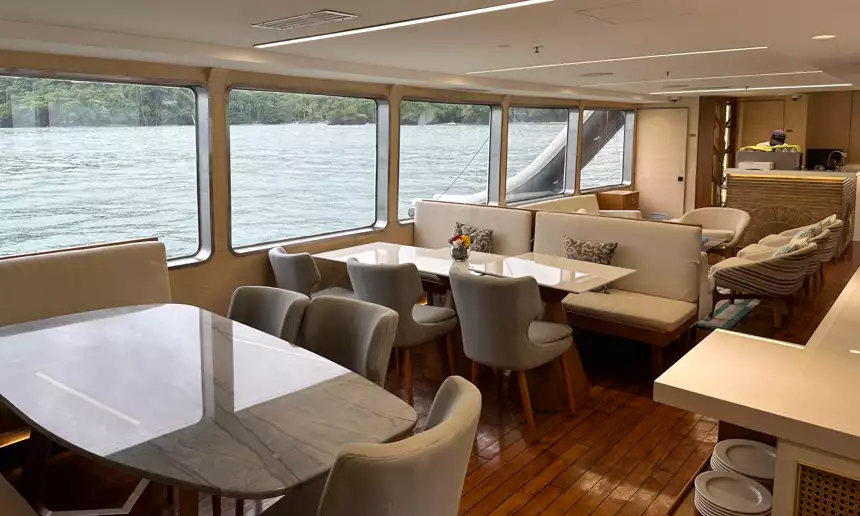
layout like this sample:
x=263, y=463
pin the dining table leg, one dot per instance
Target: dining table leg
x=188, y=503
x=546, y=383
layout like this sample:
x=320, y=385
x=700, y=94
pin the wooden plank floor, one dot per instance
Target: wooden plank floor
x=620, y=454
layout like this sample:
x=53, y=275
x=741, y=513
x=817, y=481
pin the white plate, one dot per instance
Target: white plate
x=716, y=465
x=708, y=509
x=734, y=492
x=750, y=458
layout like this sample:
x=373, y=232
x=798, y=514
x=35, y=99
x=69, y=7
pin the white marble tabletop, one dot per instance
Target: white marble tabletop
x=185, y=397
x=808, y=395
x=549, y=271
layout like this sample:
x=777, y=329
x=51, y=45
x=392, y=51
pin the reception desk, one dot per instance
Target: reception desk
x=778, y=200
x=807, y=397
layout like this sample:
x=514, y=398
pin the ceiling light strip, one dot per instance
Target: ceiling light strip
x=776, y=74
x=617, y=59
x=405, y=23
x=760, y=88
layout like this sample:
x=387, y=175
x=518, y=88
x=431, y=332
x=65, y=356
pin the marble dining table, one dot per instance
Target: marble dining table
x=557, y=277
x=187, y=398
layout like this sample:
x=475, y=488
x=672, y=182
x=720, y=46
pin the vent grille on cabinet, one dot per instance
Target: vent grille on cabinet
x=305, y=20
x=822, y=493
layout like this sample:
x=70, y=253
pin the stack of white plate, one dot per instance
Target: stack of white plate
x=749, y=458
x=724, y=493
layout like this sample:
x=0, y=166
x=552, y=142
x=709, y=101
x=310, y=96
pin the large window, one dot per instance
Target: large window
x=300, y=165
x=444, y=153
x=538, y=156
x=83, y=163
x=607, y=149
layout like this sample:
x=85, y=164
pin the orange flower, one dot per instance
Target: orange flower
x=467, y=240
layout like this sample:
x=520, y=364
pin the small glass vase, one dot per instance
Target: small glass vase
x=459, y=253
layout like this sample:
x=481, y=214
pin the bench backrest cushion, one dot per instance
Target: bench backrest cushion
x=571, y=204
x=434, y=225
x=665, y=256
x=50, y=285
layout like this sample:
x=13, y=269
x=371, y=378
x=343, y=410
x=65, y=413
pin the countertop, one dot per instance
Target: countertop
x=808, y=395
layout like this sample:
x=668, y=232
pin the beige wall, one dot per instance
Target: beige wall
x=818, y=120
x=210, y=284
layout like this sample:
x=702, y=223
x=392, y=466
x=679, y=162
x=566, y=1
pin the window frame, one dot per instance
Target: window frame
x=628, y=152
x=202, y=135
x=494, y=149
x=381, y=151
x=570, y=181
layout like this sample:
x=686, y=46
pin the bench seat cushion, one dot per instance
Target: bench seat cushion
x=724, y=234
x=656, y=313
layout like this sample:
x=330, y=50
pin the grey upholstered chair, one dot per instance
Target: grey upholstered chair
x=499, y=320
x=275, y=311
x=419, y=476
x=399, y=287
x=299, y=273
x=352, y=333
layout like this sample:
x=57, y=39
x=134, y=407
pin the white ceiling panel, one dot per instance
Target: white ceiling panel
x=209, y=32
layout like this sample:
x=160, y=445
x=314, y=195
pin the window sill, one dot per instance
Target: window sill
x=326, y=237
x=606, y=188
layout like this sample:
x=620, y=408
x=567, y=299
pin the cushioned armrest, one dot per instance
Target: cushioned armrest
x=757, y=256
x=775, y=240
x=622, y=214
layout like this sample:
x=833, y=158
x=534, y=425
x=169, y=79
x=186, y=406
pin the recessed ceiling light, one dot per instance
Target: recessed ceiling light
x=824, y=36
x=713, y=77
x=616, y=59
x=760, y=88
x=404, y=23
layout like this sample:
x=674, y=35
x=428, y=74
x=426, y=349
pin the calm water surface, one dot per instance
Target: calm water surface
x=61, y=187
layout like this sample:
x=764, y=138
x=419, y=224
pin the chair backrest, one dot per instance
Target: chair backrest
x=397, y=287
x=296, y=272
x=352, y=333
x=779, y=276
x=665, y=256
x=68, y=282
x=832, y=246
x=567, y=204
x=434, y=225
x=419, y=476
x=495, y=314
x=719, y=218
x=275, y=311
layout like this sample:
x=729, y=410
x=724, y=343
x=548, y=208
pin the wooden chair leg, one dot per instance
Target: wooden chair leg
x=240, y=507
x=476, y=369
x=407, y=373
x=565, y=373
x=527, y=401
x=216, y=506
x=170, y=496
x=449, y=348
x=656, y=361
x=777, y=315
x=397, y=365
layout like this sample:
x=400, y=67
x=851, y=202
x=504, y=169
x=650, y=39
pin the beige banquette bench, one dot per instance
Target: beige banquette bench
x=67, y=282
x=62, y=283
x=573, y=204
x=434, y=225
x=656, y=304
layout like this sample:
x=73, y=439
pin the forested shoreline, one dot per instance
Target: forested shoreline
x=32, y=102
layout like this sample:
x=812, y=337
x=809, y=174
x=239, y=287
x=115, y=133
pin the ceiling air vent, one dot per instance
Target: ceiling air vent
x=596, y=74
x=305, y=20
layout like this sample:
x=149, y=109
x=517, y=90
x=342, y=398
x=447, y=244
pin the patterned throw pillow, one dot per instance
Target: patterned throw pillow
x=482, y=239
x=794, y=245
x=810, y=232
x=829, y=221
x=594, y=252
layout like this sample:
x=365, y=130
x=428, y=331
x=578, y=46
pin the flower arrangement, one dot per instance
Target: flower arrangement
x=460, y=247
